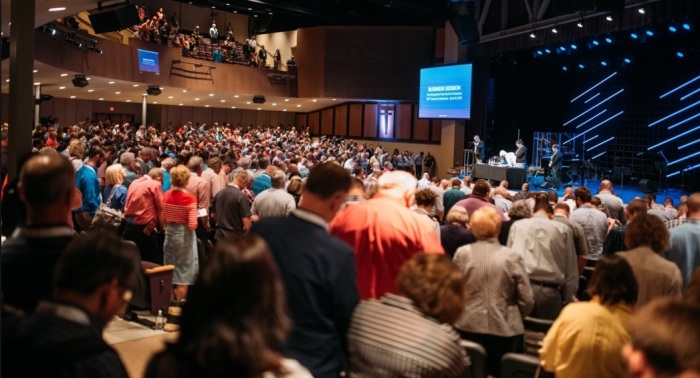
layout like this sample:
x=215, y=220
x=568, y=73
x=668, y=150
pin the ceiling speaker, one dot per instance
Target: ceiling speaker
x=259, y=99
x=80, y=81
x=153, y=90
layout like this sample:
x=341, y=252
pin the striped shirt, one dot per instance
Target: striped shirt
x=390, y=337
x=180, y=207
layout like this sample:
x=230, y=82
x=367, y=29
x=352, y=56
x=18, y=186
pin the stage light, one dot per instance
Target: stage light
x=679, y=87
x=532, y=35
x=599, y=155
x=690, y=94
x=641, y=10
x=688, y=144
x=603, y=63
x=593, y=87
x=609, y=18
x=673, y=114
x=574, y=47
x=539, y=52
x=672, y=29
x=685, y=158
x=564, y=68
x=590, y=139
x=580, y=24
x=594, y=96
x=601, y=143
x=555, y=31
x=680, y=54
x=595, y=43
x=596, y=126
x=650, y=33
x=597, y=105
x=634, y=36
x=53, y=31
x=683, y=121
x=581, y=66
x=548, y=51
x=563, y=48
x=686, y=26
x=608, y=40
x=592, y=118
x=626, y=60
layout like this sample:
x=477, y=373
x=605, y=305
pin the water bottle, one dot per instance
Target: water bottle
x=159, y=321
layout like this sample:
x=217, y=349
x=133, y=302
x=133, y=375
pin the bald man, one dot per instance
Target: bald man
x=612, y=203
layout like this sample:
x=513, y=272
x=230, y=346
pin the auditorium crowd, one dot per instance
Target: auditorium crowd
x=300, y=255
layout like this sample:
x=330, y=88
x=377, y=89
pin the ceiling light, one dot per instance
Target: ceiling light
x=284, y=110
x=274, y=104
x=61, y=87
x=236, y=96
x=233, y=107
x=111, y=82
x=184, y=91
x=206, y=106
x=609, y=18
x=64, y=74
x=299, y=106
x=135, y=85
x=101, y=99
x=641, y=10
x=57, y=9
x=211, y=95
x=259, y=108
x=91, y=90
x=532, y=35
x=672, y=29
x=37, y=83
x=35, y=71
x=88, y=78
x=180, y=104
x=196, y=99
x=286, y=100
x=334, y=99
x=247, y=102
x=117, y=93
x=170, y=96
x=128, y=100
x=580, y=24
x=72, y=96
x=555, y=31
x=223, y=100
x=155, y=102
x=314, y=100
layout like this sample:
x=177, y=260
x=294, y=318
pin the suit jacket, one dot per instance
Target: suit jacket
x=656, y=276
x=520, y=155
x=556, y=160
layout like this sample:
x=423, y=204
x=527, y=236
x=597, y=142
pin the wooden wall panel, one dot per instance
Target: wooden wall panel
x=327, y=121
x=201, y=115
x=71, y=117
x=247, y=118
x=187, y=114
x=301, y=121
x=314, y=119
x=219, y=115
x=437, y=130
x=274, y=119
x=174, y=114
x=84, y=110
x=370, y=124
x=355, y=120
x=341, y=120
x=421, y=128
x=262, y=118
x=403, y=121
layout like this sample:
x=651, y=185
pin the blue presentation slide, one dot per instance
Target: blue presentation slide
x=445, y=92
x=148, y=61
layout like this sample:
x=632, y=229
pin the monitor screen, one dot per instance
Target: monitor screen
x=148, y=61
x=445, y=92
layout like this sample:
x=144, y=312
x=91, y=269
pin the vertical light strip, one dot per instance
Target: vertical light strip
x=596, y=105
x=685, y=158
x=683, y=85
x=690, y=94
x=689, y=144
x=674, y=138
x=594, y=96
x=588, y=140
x=601, y=82
x=592, y=118
x=683, y=121
x=594, y=127
x=601, y=143
x=672, y=114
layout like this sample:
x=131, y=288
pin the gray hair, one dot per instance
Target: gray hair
x=127, y=158
x=196, y=163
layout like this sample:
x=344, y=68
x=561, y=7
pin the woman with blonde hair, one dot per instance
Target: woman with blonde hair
x=180, y=216
x=114, y=193
x=76, y=153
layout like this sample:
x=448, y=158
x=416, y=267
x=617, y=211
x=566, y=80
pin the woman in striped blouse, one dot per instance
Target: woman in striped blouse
x=180, y=247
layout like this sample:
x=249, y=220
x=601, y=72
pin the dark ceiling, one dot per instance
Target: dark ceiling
x=279, y=15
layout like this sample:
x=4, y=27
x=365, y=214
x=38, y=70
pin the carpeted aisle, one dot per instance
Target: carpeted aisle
x=135, y=354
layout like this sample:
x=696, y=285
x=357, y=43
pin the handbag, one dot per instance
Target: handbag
x=106, y=217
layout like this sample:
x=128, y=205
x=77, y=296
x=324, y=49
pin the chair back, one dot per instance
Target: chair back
x=518, y=365
x=535, y=330
x=477, y=358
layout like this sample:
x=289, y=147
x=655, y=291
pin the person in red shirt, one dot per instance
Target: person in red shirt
x=385, y=233
x=143, y=212
x=180, y=216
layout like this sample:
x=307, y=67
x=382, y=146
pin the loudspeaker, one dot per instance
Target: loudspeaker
x=153, y=90
x=648, y=186
x=466, y=29
x=80, y=81
x=115, y=20
x=259, y=99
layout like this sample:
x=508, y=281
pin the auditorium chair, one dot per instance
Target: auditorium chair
x=518, y=365
x=153, y=286
x=535, y=330
x=477, y=358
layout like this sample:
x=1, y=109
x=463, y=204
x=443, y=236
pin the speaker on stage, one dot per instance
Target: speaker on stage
x=648, y=186
x=114, y=19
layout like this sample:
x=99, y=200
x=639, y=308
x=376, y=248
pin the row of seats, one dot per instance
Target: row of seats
x=513, y=365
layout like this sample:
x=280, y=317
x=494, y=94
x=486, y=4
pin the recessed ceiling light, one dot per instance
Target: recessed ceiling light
x=299, y=106
x=334, y=99
x=128, y=100
x=37, y=83
x=196, y=99
x=101, y=99
x=135, y=85
x=111, y=82
x=64, y=74
x=211, y=95
x=161, y=88
x=91, y=90
x=144, y=94
x=170, y=96
x=274, y=104
x=314, y=100
x=286, y=100
x=247, y=102
x=284, y=110
x=61, y=87
x=72, y=96
x=88, y=78
x=233, y=107
x=236, y=96
x=609, y=18
x=180, y=104
x=117, y=93
x=206, y=106
x=184, y=91
x=57, y=9
x=259, y=108
x=35, y=71
x=155, y=102
x=223, y=100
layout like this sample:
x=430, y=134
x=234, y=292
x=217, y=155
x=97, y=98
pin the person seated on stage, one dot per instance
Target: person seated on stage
x=506, y=159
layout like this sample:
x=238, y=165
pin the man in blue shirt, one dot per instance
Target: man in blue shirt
x=88, y=183
x=684, y=241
